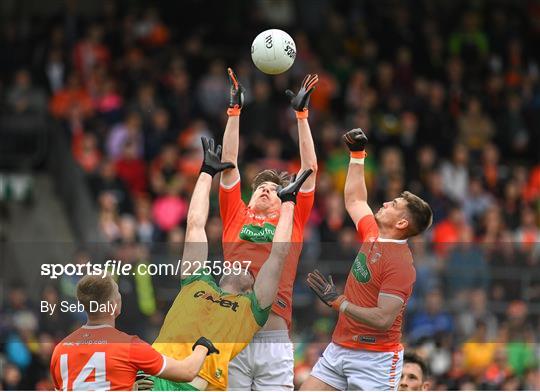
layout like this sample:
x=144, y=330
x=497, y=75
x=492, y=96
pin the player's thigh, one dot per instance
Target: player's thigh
x=327, y=374
x=314, y=384
x=240, y=373
x=274, y=366
x=374, y=371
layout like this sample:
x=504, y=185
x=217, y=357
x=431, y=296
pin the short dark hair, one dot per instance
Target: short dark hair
x=280, y=178
x=415, y=358
x=420, y=212
x=95, y=288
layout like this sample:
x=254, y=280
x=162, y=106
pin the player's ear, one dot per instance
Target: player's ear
x=402, y=224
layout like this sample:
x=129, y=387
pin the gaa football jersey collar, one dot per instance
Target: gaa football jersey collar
x=380, y=239
x=86, y=326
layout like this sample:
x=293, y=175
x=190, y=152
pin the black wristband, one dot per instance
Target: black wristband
x=209, y=170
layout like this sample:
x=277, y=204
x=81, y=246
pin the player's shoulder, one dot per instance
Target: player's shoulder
x=397, y=253
x=367, y=228
x=200, y=279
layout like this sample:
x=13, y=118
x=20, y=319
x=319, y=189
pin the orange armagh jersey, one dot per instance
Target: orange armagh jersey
x=248, y=237
x=382, y=267
x=102, y=358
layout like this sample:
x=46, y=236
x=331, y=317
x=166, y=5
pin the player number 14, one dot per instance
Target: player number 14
x=95, y=364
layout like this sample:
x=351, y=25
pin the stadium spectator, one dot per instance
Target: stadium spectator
x=128, y=131
x=72, y=97
x=86, y=151
x=415, y=375
x=455, y=175
x=432, y=321
x=90, y=51
x=131, y=169
x=25, y=98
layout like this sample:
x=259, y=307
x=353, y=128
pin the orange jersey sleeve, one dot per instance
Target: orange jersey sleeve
x=367, y=228
x=302, y=210
x=146, y=358
x=230, y=202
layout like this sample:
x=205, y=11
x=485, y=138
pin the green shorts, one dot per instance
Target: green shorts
x=160, y=384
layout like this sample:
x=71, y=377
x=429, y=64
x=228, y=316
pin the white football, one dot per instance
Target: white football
x=273, y=51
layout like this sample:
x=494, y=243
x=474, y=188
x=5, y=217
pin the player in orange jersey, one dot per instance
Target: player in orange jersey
x=267, y=363
x=365, y=352
x=97, y=356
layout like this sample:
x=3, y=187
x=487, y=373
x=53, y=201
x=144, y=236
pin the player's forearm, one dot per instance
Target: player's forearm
x=355, y=185
x=231, y=140
x=308, y=157
x=266, y=284
x=196, y=221
x=281, y=243
x=374, y=317
x=199, y=204
x=285, y=224
x=187, y=369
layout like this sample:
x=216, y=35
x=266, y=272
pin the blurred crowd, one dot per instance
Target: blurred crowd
x=448, y=93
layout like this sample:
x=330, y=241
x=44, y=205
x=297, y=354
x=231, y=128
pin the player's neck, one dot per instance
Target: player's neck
x=266, y=212
x=390, y=233
x=101, y=320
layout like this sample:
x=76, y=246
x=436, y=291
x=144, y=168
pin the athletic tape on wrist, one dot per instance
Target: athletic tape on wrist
x=358, y=161
x=358, y=154
x=343, y=306
x=336, y=305
x=302, y=115
x=235, y=111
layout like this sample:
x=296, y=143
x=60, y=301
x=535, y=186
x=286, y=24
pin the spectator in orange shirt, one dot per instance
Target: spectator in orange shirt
x=150, y=30
x=74, y=95
x=86, y=152
x=447, y=232
x=498, y=370
x=327, y=88
x=532, y=190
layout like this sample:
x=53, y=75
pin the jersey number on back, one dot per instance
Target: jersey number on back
x=96, y=365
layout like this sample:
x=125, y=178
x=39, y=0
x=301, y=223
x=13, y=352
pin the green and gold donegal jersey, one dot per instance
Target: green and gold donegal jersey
x=201, y=308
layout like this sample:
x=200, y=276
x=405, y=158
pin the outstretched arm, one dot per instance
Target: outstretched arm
x=380, y=317
x=187, y=369
x=355, y=185
x=196, y=244
x=267, y=281
x=299, y=103
x=232, y=131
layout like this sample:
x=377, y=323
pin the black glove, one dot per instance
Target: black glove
x=202, y=341
x=290, y=192
x=355, y=139
x=300, y=101
x=236, y=100
x=325, y=289
x=212, y=158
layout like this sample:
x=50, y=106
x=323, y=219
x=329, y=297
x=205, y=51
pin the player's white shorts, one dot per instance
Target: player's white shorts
x=267, y=363
x=346, y=369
